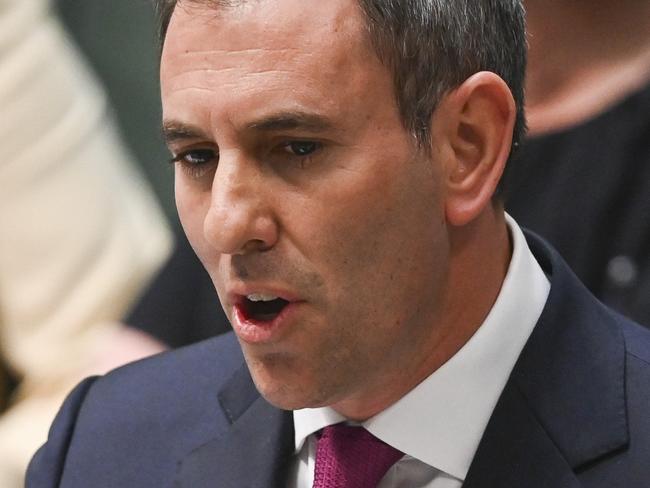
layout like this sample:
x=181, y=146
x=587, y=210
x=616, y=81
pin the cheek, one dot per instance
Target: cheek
x=380, y=222
x=380, y=248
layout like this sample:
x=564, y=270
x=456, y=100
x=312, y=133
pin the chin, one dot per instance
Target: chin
x=285, y=391
x=284, y=402
x=283, y=396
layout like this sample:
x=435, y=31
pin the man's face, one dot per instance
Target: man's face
x=297, y=180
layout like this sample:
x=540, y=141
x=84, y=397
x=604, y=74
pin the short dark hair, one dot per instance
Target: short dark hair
x=432, y=47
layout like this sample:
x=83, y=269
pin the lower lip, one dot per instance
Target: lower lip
x=258, y=332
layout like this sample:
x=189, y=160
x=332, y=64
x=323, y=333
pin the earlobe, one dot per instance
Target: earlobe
x=480, y=119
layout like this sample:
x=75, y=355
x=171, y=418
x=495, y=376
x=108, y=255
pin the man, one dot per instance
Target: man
x=336, y=165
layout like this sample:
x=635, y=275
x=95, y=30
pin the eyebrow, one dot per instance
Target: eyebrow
x=291, y=120
x=177, y=131
x=173, y=131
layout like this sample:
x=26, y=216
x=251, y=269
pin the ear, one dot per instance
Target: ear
x=476, y=122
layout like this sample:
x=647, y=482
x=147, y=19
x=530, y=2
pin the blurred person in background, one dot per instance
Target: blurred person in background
x=81, y=231
x=582, y=179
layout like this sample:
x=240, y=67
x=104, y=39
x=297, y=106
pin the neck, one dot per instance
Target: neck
x=584, y=56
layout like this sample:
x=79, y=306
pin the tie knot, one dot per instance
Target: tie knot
x=351, y=457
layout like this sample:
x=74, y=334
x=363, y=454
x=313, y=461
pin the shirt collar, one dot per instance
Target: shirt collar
x=441, y=421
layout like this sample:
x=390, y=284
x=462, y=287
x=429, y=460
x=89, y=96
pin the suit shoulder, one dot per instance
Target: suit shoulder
x=213, y=360
x=157, y=410
x=46, y=466
x=637, y=340
x=183, y=378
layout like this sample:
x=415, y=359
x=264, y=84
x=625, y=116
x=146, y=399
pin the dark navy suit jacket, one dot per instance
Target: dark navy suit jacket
x=574, y=413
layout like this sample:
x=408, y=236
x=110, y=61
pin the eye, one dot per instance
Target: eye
x=197, y=162
x=301, y=148
x=195, y=157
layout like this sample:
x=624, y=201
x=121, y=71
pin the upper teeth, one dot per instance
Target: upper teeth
x=258, y=297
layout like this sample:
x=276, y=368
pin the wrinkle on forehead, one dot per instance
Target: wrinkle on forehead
x=206, y=76
x=212, y=4
x=230, y=60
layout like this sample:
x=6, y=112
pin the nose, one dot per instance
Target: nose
x=239, y=219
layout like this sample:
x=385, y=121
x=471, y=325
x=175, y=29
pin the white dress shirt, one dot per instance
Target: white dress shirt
x=439, y=424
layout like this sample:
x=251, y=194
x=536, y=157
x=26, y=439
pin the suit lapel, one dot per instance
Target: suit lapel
x=516, y=451
x=254, y=452
x=564, y=404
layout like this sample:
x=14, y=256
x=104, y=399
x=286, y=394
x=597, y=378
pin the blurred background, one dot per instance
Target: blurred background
x=85, y=204
x=119, y=40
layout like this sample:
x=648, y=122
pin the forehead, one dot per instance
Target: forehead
x=297, y=16
x=277, y=31
x=290, y=48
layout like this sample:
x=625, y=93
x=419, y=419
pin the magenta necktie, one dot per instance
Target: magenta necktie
x=351, y=457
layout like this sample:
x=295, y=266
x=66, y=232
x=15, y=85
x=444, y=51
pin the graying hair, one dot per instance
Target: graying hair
x=432, y=47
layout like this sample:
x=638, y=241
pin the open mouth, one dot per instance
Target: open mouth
x=261, y=308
